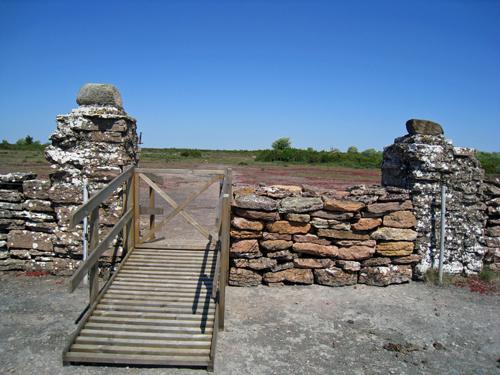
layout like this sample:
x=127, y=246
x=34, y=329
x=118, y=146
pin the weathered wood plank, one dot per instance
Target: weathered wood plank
x=177, y=208
x=136, y=350
x=158, y=360
x=166, y=344
x=146, y=335
x=97, y=251
x=100, y=196
x=143, y=329
x=196, y=172
x=185, y=245
x=144, y=321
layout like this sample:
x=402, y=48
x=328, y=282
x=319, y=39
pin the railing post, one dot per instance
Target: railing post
x=225, y=243
x=93, y=242
x=152, y=206
x=136, y=219
x=128, y=201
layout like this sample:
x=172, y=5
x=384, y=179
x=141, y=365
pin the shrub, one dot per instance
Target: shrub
x=188, y=153
x=371, y=159
x=281, y=144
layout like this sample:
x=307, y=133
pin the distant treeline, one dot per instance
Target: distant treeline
x=281, y=151
x=352, y=158
x=26, y=143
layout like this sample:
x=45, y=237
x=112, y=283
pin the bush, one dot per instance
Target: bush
x=188, y=153
x=490, y=161
x=281, y=144
x=352, y=159
x=26, y=143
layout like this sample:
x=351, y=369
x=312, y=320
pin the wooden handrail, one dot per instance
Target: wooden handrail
x=182, y=171
x=94, y=254
x=100, y=196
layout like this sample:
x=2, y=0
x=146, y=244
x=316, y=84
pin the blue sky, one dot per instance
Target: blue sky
x=227, y=74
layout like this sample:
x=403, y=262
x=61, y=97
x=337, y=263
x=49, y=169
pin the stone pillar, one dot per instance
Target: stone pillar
x=95, y=142
x=422, y=161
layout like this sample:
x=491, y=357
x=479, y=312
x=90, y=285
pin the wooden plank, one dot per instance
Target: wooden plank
x=156, y=305
x=213, y=343
x=170, y=294
x=194, y=284
x=153, y=360
x=92, y=267
x=89, y=312
x=171, y=269
x=147, y=322
x=153, y=336
x=95, y=201
x=177, y=208
x=195, y=172
x=185, y=245
x=159, y=288
x=118, y=349
x=191, y=286
x=150, y=315
x=224, y=254
x=151, y=207
x=118, y=341
x=180, y=253
x=167, y=276
x=143, y=329
x=97, y=251
x=137, y=213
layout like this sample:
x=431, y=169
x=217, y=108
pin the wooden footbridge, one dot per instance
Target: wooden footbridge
x=164, y=304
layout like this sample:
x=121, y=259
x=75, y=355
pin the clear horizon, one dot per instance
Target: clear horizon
x=239, y=75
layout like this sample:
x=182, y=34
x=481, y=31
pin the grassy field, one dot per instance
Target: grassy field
x=245, y=164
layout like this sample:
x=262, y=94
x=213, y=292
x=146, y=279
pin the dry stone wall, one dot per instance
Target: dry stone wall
x=289, y=235
x=93, y=142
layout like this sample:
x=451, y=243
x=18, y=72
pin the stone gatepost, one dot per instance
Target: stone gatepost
x=422, y=161
x=94, y=142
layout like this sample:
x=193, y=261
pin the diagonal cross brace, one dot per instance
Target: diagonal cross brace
x=178, y=209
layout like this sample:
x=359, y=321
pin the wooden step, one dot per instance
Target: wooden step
x=144, y=329
x=138, y=350
x=143, y=343
x=134, y=359
x=148, y=322
x=145, y=335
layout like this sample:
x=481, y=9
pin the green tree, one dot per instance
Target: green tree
x=352, y=150
x=28, y=140
x=282, y=143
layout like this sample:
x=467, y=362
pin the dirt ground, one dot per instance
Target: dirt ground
x=288, y=330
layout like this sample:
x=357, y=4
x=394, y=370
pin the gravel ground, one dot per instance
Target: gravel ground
x=288, y=330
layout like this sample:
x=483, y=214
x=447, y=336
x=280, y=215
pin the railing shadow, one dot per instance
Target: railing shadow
x=206, y=280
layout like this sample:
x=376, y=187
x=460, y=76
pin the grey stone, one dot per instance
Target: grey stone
x=256, y=202
x=334, y=277
x=426, y=127
x=300, y=204
x=101, y=94
x=383, y=276
x=244, y=277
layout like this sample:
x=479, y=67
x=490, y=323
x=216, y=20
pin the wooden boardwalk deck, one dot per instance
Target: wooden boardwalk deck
x=164, y=305
x=158, y=310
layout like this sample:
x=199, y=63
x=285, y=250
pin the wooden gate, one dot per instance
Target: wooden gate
x=164, y=304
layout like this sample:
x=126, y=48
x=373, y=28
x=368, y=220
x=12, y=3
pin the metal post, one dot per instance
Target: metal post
x=443, y=229
x=85, y=226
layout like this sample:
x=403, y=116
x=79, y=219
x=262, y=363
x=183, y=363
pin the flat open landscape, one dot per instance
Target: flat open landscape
x=245, y=168
x=407, y=329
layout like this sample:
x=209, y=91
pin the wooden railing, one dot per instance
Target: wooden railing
x=125, y=224
x=223, y=223
x=129, y=225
